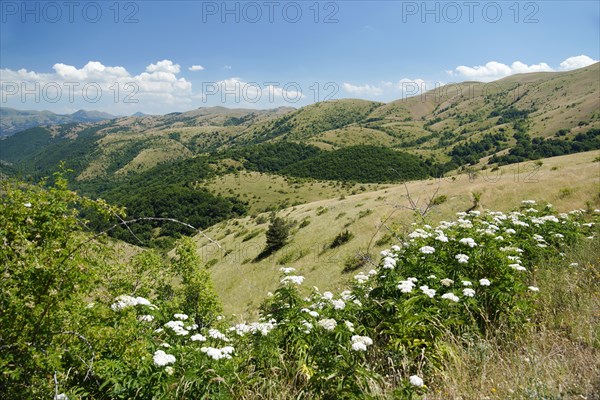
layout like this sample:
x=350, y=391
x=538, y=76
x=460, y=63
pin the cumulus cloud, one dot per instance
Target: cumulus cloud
x=108, y=87
x=495, y=70
x=164, y=66
x=196, y=68
x=362, y=89
x=577, y=62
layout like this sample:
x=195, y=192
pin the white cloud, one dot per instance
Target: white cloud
x=362, y=89
x=196, y=68
x=110, y=88
x=494, y=70
x=227, y=67
x=577, y=62
x=164, y=66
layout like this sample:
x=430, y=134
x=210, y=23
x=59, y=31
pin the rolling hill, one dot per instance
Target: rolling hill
x=457, y=123
x=13, y=121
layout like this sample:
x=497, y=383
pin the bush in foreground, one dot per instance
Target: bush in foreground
x=78, y=324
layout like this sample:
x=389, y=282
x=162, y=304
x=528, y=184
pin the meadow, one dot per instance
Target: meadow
x=478, y=304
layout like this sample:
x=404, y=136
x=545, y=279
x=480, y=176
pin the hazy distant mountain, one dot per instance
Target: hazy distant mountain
x=13, y=120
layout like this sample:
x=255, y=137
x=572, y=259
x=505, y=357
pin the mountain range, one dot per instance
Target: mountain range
x=13, y=120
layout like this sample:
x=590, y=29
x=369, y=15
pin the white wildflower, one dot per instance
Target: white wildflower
x=146, y=318
x=328, y=323
x=533, y=288
x=177, y=327
x=308, y=326
x=338, y=304
x=198, y=338
x=416, y=381
x=169, y=370
x=446, y=282
x=484, y=282
x=389, y=263
x=217, y=354
x=361, y=278
x=287, y=270
x=360, y=343
x=427, y=250
x=161, y=358
x=349, y=325
x=442, y=238
x=327, y=295
x=181, y=316
x=468, y=242
x=125, y=301
x=406, y=286
x=429, y=292
x=462, y=258
x=297, y=280
x=468, y=292
x=450, y=296
x=215, y=334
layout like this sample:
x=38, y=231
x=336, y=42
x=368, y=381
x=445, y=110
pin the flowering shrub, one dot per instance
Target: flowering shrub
x=104, y=334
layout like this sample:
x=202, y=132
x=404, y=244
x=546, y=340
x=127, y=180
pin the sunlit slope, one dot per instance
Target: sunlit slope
x=567, y=182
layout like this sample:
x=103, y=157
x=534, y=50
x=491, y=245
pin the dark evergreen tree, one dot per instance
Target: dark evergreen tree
x=277, y=234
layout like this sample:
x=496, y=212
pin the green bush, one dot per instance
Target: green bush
x=341, y=238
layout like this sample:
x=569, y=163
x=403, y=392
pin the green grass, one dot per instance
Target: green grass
x=241, y=287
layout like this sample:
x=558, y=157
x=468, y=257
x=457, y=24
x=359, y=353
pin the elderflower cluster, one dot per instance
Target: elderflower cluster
x=360, y=343
x=161, y=358
x=125, y=301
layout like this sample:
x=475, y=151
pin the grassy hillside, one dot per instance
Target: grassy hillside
x=483, y=305
x=266, y=192
x=567, y=182
x=557, y=105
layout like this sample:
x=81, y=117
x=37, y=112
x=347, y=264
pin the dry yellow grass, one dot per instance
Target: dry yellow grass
x=567, y=182
x=557, y=357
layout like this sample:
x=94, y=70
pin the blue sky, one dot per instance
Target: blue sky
x=136, y=55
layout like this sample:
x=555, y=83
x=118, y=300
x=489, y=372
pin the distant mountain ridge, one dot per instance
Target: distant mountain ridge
x=13, y=120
